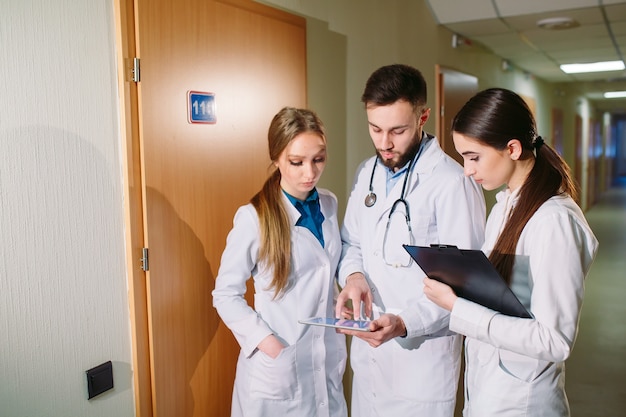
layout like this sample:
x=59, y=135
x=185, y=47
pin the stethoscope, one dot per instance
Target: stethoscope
x=370, y=199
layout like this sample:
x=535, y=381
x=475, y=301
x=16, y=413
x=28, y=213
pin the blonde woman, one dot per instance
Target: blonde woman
x=287, y=241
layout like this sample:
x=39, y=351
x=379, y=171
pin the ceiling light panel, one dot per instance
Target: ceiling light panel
x=516, y=7
x=592, y=67
x=615, y=94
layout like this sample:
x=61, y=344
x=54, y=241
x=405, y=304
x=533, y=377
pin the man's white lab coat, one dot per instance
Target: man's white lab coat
x=416, y=375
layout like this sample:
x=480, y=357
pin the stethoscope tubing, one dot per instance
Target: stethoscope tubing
x=370, y=198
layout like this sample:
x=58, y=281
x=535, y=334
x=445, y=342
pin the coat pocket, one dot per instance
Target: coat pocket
x=274, y=379
x=428, y=372
x=521, y=367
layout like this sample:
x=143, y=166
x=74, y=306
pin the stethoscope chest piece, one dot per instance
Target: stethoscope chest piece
x=370, y=200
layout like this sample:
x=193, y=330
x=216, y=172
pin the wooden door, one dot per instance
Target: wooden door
x=578, y=156
x=454, y=89
x=194, y=176
x=557, y=130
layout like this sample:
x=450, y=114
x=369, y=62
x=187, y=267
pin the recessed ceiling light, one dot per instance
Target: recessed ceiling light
x=615, y=94
x=557, y=23
x=593, y=67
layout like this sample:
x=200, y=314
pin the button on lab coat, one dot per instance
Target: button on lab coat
x=416, y=375
x=306, y=378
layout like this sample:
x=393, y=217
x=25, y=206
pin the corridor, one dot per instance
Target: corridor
x=596, y=370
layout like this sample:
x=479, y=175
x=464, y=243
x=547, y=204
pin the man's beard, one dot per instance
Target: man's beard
x=405, y=157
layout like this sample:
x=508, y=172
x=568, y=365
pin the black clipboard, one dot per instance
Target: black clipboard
x=470, y=274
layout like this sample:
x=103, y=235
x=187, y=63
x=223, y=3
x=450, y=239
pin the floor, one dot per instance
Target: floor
x=596, y=370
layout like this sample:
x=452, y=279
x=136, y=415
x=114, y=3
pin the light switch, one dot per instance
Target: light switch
x=100, y=379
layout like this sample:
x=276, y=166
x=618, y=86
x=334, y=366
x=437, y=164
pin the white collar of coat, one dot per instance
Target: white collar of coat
x=427, y=160
x=507, y=194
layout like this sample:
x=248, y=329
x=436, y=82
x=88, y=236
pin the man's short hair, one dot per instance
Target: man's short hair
x=395, y=82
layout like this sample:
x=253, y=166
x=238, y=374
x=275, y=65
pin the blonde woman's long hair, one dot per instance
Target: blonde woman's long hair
x=275, y=246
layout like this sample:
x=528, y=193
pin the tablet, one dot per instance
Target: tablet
x=357, y=325
x=470, y=274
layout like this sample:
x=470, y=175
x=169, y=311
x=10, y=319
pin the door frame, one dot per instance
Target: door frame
x=126, y=51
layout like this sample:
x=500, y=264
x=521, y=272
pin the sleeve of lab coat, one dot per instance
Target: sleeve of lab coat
x=238, y=262
x=560, y=251
x=351, y=255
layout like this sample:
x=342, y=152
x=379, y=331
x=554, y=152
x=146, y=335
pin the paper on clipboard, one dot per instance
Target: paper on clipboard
x=470, y=274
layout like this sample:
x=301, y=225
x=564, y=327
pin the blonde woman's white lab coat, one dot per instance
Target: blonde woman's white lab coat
x=306, y=378
x=515, y=367
x=416, y=375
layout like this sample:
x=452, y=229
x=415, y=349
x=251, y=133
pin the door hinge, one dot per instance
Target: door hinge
x=144, y=259
x=135, y=70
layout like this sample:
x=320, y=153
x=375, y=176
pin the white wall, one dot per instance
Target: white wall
x=63, y=294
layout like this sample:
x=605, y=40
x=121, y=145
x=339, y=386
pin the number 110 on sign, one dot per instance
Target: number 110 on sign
x=201, y=107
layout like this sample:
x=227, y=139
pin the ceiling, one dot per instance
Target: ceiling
x=509, y=29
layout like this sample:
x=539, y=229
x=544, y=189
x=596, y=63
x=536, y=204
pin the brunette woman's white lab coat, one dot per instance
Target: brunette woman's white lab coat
x=306, y=378
x=416, y=375
x=515, y=367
